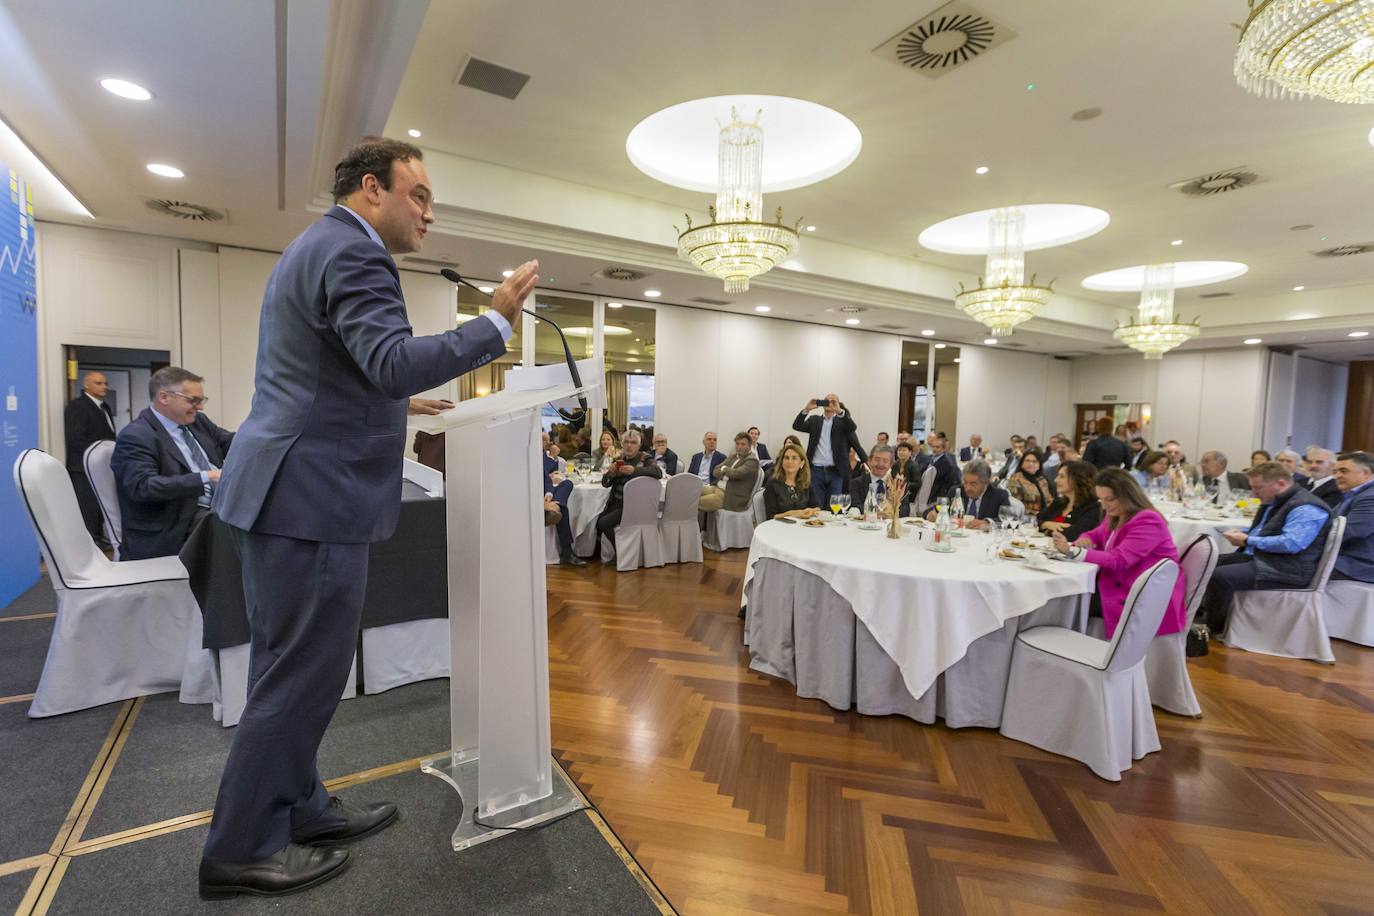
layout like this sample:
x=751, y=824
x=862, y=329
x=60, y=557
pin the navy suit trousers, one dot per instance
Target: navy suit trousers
x=305, y=604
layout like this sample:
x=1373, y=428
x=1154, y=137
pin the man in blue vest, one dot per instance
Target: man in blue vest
x=1355, y=476
x=1282, y=548
x=313, y=478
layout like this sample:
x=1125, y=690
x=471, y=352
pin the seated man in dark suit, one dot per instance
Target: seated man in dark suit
x=167, y=463
x=879, y=475
x=946, y=469
x=1320, y=465
x=556, y=493
x=87, y=420
x=974, y=449
x=760, y=450
x=632, y=463
x=1355, y=476
x=665, y=457
x=704, y=462
x=1213, y=466
x=981, y=499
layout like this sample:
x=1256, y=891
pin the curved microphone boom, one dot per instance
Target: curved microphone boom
x=453, y=276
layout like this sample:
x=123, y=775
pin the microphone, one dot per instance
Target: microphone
x=453, y=276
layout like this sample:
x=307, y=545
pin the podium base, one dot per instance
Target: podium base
x=462, y=776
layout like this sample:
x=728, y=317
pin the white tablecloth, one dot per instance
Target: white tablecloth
x=584, y=504
x=1186, y=530
x=923, y=608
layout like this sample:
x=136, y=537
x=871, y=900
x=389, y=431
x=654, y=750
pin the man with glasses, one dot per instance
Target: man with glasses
x=167, y=464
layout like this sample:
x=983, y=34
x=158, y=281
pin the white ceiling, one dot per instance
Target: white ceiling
x=1161, y=72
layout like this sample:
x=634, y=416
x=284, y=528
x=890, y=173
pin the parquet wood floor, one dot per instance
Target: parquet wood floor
x=739, y=797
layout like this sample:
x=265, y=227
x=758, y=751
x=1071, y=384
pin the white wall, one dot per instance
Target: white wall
x=1002, y=392
x=1306, y=403
x=723, y=373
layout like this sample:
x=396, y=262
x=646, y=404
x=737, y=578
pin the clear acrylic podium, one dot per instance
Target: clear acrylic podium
x=501, y=761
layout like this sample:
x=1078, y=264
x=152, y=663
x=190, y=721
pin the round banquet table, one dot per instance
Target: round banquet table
x=854, y=618
x=1186, y=530
x=584, y=504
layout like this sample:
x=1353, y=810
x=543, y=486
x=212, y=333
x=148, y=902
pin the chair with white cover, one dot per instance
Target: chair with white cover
x=122, y=629
x=422, y=475
x=636, y=538
x=1166, y=661
x=96, y=461
x=678, y=529
x=1349, y=611
x=1016, y=506
x=760, y=507
x=1071, y=694
x=1287, y=622
x=726, y=529
x=921, y=504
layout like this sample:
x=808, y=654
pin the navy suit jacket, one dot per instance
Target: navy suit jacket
x=319, y=457
x=670, y=459
x=85, y=423
x=842, y=438
x=158, y=491
x=1356, y=558
x=694, y=467
x=993, y=498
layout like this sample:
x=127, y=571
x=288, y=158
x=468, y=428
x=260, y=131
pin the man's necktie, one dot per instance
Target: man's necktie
x=109, y=415
x=198, y=459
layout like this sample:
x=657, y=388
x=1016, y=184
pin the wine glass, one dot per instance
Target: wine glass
x=1007, y=516
x=835, y=503
x=843, y=501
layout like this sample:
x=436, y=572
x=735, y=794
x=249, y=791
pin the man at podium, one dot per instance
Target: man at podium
x=314, y=477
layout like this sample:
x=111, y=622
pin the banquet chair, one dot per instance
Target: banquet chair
x=636, y=538
x=1166, y=661
x=1287, y=622
x=96, y=461
x=1084, y=698
x=422, y=475
x=1349, y=611
x=122, y=629
x=678, y=529
x=760, y=507
x=726, y=529
x=1016, y=506
x=921, y=504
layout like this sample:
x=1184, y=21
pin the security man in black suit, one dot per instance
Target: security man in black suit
x=167, y=463
x=87, y=420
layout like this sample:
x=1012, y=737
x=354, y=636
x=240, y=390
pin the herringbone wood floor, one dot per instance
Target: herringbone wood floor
x=739, y=797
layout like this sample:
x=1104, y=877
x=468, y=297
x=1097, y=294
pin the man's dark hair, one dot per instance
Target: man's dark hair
x=1363, y=459
x=370, y=155
x=170, y=377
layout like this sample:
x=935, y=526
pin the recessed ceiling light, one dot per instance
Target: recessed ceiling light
x=126, y=90
x=851, y=321
x=956, y=359
x=1298, y=289
x=928, y=332
x=1358, y=334
x=1030, y=87
x=486, y=289
x=762, y=308
x=939, y=346
x=507, y=273
x=810, y=228
x=981, y=170
x=414, y=133
x=615, y=305
x=639, y=370
x=1250, y=341
x=652, y=293
x=913, y=362
x=1176, y=242
x=166, y=171
x=990, y=341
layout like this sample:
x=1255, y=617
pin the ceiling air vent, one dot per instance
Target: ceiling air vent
x=888, y=327
x=1217, y=182
x=624, y=274
x=1221, y=295
x=944, y=40
x=848, y=309
x=485, y=76
x=180, y=209
x=702, y=300
x=1345, y=251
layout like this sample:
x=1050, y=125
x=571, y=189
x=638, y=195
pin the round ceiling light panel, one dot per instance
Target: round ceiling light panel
x=803, y=142
x=1186, y=273
x=1047, y=225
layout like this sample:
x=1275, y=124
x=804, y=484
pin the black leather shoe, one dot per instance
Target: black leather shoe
x=571, y=559
x=295, y=868
x=343, y=821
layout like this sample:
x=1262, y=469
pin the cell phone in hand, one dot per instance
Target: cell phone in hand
x=822, y=401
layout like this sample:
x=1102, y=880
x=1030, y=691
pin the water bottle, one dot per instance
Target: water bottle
x=956, y=509
x=943, y=529
x=871, y=504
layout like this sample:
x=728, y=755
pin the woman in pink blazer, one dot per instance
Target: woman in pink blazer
x=1132, y=538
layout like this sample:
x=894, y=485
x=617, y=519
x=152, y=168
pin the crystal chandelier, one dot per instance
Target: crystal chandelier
x=735, y=245
x=1156, y=330
x=1307, y=48
x=1003, y=299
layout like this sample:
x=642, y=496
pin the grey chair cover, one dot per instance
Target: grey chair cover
x=636, y=539
x=678, y=529
x=1349, y=611
x=726, y=529
x=1166, y=661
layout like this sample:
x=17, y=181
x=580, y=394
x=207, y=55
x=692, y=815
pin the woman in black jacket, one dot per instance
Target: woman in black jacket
x=1076, y=510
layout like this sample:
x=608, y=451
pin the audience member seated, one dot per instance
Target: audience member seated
x=828, y=435
x=1032, y=444
x=167, y=462
x=1075, y=511
x=1013, y=455
x=631, y=463
x=1180, y=471
x=1054, y=457
x=878, y=479
x=1259, y=456
x=1292, y=462
x=86, y=420
x=1139, y=449
x=1029, y=485
x=760, y=450
x=787, y=494
x=605, y=455
x=556, y=493
x=974, y=449
x=905, y=438
x=740, y=472
x=1354, y=474
x=946, y=471
x=1152, y=473
x=663, y=456
x=1106, y=451
x=552, y=451
x=1320, y=467
x=982, y=500
x=705, y=462
x=904, y=463
x=1279, y=551
x=881, y=440
x=1214, y=474
x=1131, y=538
x=790, y=439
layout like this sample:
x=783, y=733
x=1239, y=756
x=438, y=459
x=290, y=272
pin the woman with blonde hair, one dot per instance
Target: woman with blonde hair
x=605, y=455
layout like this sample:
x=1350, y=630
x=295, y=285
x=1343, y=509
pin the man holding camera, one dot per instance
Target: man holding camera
x=827, y=449
x=631, y=463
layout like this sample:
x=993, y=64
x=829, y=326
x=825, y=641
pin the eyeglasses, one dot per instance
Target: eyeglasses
x=195, y=402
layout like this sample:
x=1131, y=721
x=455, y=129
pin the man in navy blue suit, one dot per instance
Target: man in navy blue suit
x=1355, y=476
x=314, y=477
x=703, y=463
